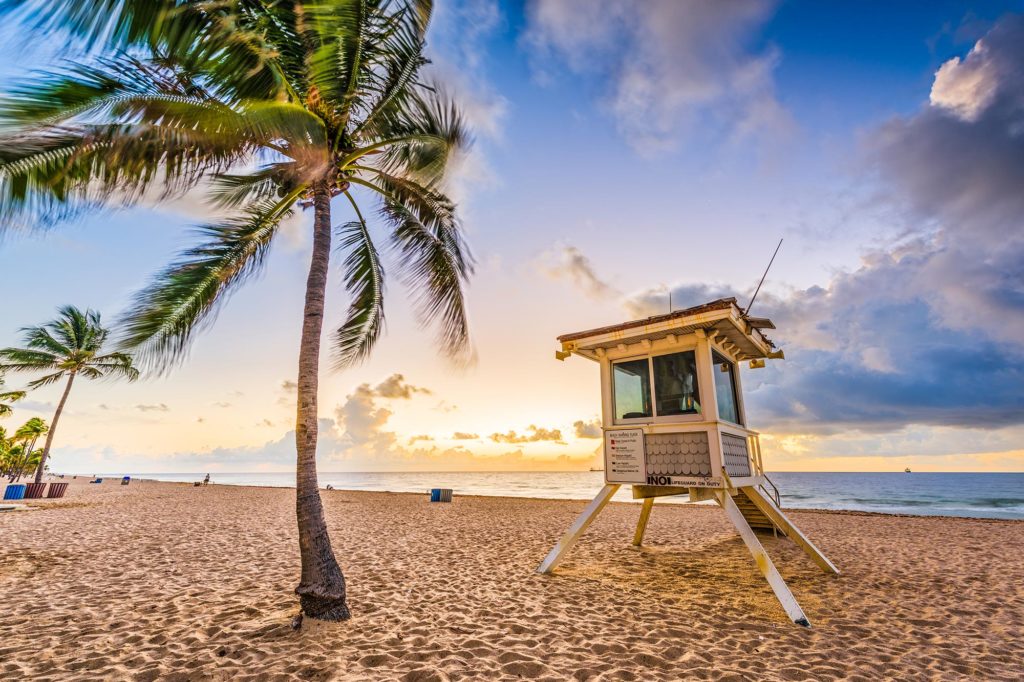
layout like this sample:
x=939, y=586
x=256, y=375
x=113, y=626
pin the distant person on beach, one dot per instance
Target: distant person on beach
x=206, y=480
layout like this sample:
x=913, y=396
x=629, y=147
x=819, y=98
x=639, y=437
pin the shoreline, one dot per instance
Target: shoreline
x=812, y=510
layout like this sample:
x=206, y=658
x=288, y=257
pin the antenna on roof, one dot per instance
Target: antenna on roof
x=752, y=298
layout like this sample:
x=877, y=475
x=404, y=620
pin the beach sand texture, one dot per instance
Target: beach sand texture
x=168, y=581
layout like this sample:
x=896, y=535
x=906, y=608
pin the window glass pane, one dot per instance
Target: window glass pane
x=725, y=390
x=632, y=382
x=675, y=384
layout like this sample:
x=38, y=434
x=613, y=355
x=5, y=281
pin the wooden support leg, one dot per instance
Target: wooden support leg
x=641, y=525
x=769, y=509
x=577, y=528
x=764, y=563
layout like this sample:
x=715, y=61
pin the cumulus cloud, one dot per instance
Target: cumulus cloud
x=930, y=329
x=966, y=87
x=396, y=387
x=668, y=64
x=535, y=435
x=359, y=439
x=959, y=180
x=161, y=407
x=420, y=437
x=568, y=262
x=590, y=429
x=654, y=301
x=462, y=435
x=287, y=393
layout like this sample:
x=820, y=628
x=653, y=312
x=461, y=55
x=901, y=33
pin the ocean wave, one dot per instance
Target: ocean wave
x=997, y=502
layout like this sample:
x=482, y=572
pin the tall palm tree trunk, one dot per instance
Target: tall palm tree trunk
x=322, y=587
x=53, y=429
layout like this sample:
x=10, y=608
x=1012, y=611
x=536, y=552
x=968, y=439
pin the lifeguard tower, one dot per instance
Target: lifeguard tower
x=674, y=423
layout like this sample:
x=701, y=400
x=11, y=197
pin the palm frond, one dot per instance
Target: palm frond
x=435, y=270
x=234, y=190
x=337, y=33
x=74, y=331
x=57, y=174
x=364, y=281
x=46, y=380
x=115, y=366
x=186, y=296
x=435, y=211
x=27, y=360
x=110, y=22
x=423, y=137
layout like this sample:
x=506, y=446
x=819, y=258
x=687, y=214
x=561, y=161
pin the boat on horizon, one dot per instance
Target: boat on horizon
x=907, y=470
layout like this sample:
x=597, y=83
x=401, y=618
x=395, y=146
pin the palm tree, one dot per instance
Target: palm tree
x=272, y=104
x=69, y=346
x=8, y=397
x=29, y=434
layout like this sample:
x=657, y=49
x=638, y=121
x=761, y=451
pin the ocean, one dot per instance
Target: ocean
x=981, y=495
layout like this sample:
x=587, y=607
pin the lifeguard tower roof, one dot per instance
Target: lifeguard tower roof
x=723, y=317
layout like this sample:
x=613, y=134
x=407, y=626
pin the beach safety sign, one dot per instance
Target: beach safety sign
x=624, y=456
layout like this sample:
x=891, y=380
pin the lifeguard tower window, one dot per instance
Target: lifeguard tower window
x=675, y=384
x=632, y=389
x=725, y=390
x=676, y=391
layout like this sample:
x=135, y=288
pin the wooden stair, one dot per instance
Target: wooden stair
x=754, y=516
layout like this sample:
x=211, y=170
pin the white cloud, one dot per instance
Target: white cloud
x=589, y=429
x=396, y=387
x=966, y=87
x=536, y=435
x=877, y=359
x=669, y=64
x=568, y=262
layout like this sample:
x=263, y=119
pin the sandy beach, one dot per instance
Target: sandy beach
x=169, y=581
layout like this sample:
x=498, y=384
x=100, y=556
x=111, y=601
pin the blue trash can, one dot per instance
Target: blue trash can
x=15, y=491
x=440, y=494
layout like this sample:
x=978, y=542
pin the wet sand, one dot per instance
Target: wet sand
x=169, y=581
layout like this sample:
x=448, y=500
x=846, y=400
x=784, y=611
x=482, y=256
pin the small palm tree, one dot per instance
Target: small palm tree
x=28, y=434
x=8, y=397
x=273, y=105
x=69, y=346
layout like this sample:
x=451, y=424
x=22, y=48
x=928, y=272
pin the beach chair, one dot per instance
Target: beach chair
x=15, y=491
x=34, y=491
x=126, y=480
x=57, y=490
x=441, y=495
x=98, y=480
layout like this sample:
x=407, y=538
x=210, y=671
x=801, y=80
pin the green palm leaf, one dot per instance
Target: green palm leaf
x=364, y=280
x=187, y=294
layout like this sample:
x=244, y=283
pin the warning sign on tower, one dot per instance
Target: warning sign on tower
x=624, y=456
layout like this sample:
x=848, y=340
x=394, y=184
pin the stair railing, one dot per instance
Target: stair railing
x=773, y=493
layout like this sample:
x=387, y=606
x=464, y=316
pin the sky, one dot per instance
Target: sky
x=624, y=151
